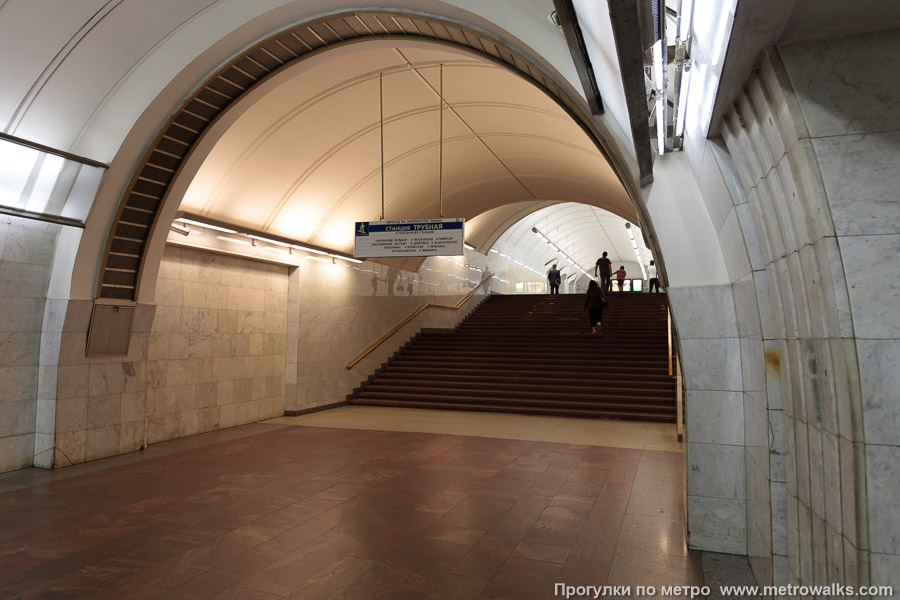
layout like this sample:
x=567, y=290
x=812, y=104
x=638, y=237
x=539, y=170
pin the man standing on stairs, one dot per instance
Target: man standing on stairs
x=554, y=277
x=654, y=278
x=604, y=265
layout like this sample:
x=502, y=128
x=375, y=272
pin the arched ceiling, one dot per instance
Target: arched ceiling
x=302, y=160
x=583, y=232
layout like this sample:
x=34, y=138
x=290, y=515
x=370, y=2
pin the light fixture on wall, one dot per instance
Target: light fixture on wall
x=180, y=229
x=248, y=237
x=637, y=252
x=558, y=250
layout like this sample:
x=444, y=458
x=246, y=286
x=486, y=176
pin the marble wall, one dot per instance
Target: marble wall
x=26, y=256
x=805, y=205
x=216, y=352
x=846, y=411
x=233, y=340
x=338, y=310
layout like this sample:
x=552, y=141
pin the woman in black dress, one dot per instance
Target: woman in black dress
x=594, y=303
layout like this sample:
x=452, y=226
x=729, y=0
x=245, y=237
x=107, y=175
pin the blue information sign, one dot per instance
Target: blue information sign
x=414, y=237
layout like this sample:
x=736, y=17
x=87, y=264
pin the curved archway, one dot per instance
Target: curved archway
x=125, y=261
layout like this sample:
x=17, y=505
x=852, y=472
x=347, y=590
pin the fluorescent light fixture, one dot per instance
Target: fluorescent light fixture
x=468, y=246
x=687, y=9
x=233, y=241
x=268, y=241
x=206, y=225
x=661, y=125
x=312, y=250
x=682, y=101
x=179, y=229
x=347, y=258
x=319, y=258
x=720, y=39
x=495, y=251
x=658, y=64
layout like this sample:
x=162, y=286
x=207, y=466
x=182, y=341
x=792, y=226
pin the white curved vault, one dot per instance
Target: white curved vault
x=303, y=159
x=583, y=232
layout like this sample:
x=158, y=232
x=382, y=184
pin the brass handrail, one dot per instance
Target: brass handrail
x=669, y=332
x=387, y=336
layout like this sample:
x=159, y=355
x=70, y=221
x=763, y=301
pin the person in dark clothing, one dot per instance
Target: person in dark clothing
x=554, y=277
x=654, y=278
x=604, y=266
x=594, y=302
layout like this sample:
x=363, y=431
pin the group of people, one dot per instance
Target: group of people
x=603, y=268
x=595, y=300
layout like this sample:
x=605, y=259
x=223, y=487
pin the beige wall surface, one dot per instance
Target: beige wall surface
x=233, y=340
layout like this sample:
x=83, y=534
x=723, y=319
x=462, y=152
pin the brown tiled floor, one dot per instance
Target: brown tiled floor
x=311, y=512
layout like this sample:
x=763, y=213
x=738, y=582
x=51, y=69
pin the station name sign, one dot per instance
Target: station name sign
x=414, y=237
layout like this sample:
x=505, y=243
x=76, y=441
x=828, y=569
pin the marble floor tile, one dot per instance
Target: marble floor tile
x=265, y=513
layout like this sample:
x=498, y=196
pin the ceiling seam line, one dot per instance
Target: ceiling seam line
x=463, y=121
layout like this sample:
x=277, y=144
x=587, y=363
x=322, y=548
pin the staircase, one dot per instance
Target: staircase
x=535, y=354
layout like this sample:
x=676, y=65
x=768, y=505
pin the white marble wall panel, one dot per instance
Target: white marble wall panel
x=880, y=378
x=716, y=470
x=26, y=255
x=788, y=116
x=715, y=192
x=753, y=364
x=833, y=287
x=883, y=479
x=778, y=449
x=717, y=524
x=703, y=312
x=747, y=218
x=754, y=131
x=796, y=207
x=766, y=115
x=861, y=180
x=731, y=238
x=712, y=364
x=860, y=91
x=762, y=226
x=746, y=305
x=779, y=204
x=885, y=572
x=716, y=418
x=873, y=279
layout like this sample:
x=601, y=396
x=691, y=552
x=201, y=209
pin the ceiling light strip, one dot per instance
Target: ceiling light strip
x=559, y=250
x=253, y=236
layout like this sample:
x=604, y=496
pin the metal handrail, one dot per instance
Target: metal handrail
x=669, y=332
x=387, y=336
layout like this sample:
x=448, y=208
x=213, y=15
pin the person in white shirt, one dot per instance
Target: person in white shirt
x=654, y=280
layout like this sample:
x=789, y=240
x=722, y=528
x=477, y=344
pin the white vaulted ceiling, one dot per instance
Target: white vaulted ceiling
x=583, y=232
x=302, y=160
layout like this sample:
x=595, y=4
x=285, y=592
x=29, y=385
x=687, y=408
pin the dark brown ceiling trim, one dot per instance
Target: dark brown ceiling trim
x=568, y=21
x=129, y=238
x=627, y=31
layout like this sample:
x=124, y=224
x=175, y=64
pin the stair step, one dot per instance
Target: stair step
x=534, y=354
